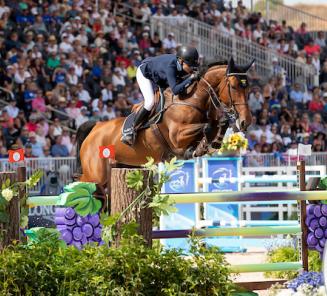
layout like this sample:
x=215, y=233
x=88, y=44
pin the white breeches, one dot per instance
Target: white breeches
x=146, y=89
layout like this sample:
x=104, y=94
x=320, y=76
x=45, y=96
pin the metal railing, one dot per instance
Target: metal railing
x=294, y=17
x=66, y=166
x=214, y=43
x=282, y=159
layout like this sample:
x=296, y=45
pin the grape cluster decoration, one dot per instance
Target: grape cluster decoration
x=77, y=230
x=316, y=221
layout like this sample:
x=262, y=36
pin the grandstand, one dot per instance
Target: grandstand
x=63, y=63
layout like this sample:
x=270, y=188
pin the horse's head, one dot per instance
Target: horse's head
x=231, y=89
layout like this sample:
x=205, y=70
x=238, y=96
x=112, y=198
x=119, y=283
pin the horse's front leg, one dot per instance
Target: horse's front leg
x=203, y=147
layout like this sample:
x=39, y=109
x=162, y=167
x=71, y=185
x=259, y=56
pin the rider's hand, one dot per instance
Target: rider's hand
x=196, y=76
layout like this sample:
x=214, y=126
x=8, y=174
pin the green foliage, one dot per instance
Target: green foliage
x=161, y=205
x=135, y=180
x=131, y=269
x=323, y=184
x=149, y=196
x=290, y=254
x=79, y=196
x=40, y=235
x=13, y=189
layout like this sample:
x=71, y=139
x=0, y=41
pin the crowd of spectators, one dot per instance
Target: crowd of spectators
x=65, y=62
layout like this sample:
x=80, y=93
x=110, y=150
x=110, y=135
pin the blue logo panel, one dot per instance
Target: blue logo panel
x=181, y=180
x=224, y=174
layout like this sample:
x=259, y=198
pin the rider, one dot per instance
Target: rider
x=166, y=70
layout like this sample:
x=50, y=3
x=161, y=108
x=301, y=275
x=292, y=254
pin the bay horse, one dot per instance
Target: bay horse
x=185, y=129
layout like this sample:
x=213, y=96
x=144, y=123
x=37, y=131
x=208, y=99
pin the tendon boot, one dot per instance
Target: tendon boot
x=130, y=137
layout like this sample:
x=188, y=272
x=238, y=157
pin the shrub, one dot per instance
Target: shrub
x=290, y=254
x=46, y=268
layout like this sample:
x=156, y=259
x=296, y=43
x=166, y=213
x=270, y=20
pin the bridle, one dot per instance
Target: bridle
x=230, y=110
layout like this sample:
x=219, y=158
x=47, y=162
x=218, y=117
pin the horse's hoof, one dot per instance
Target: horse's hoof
x=189, y=153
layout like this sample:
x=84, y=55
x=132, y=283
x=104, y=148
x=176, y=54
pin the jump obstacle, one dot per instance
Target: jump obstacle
x=251, y=197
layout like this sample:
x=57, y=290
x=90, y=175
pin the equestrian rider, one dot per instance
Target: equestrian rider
x=166, y=70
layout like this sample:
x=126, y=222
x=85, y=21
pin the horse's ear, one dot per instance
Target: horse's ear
x=248, y=66
x=231, y=65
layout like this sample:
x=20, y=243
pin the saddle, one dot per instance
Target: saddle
x=154, y=118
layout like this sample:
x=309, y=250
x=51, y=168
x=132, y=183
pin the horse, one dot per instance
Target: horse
x=185, y=130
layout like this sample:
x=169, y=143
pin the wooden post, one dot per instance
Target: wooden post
x=122, y=197
x=10, y=231
x=302, y=213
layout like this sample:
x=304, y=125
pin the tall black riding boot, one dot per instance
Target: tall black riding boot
x=130, y=137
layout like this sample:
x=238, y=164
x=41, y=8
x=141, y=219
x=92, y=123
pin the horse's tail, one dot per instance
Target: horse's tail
x=82, y=132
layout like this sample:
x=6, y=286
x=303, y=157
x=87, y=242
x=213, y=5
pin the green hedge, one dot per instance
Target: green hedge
x=132, y=269
x=290, y=254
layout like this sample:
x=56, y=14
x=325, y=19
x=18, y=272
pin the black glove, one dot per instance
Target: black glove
x=196, y=76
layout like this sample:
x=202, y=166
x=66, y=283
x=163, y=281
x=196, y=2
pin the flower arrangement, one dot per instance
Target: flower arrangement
x=306, y=284
x=233, y=144
x=11, y=189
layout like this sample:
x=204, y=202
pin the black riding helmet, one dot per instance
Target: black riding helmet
x=189, y=55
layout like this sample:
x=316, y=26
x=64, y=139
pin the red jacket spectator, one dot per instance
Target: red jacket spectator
x=312, y=48
x=315, y=106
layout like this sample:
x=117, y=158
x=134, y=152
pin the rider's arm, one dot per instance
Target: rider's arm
x=177, y=87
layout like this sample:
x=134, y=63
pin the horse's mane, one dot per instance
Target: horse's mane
x=211, y=63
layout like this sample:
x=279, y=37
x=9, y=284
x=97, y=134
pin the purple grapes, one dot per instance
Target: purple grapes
x=77, y=230
x=316, y=221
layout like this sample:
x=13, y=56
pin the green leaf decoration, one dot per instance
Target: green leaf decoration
x=23, y=221
x=150, y=164
x=106, y=220
x=7, y=183
x=134, y=180
x=3, y=202
x=129, y=229
x=4, y=217
x=79, y=195
x=90, y=187
x=162, y=206
x=323, y=184
x=34, y=179
x=172, y=165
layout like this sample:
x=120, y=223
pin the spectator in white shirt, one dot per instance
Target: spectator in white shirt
x=52, y=45
x=109, y=113
x=12, y=109
x=82, y=37
x=255, y=102
x=169, y=43
x=316, y=62
x=83, y=94
x=82, y=117
x=321, y=39
x=21, y=75
x=146, y=12
x=106, y=93
x=65, y=46
x=79, y=67
x=72, y=78
x=257, y=33
x=118, y=79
